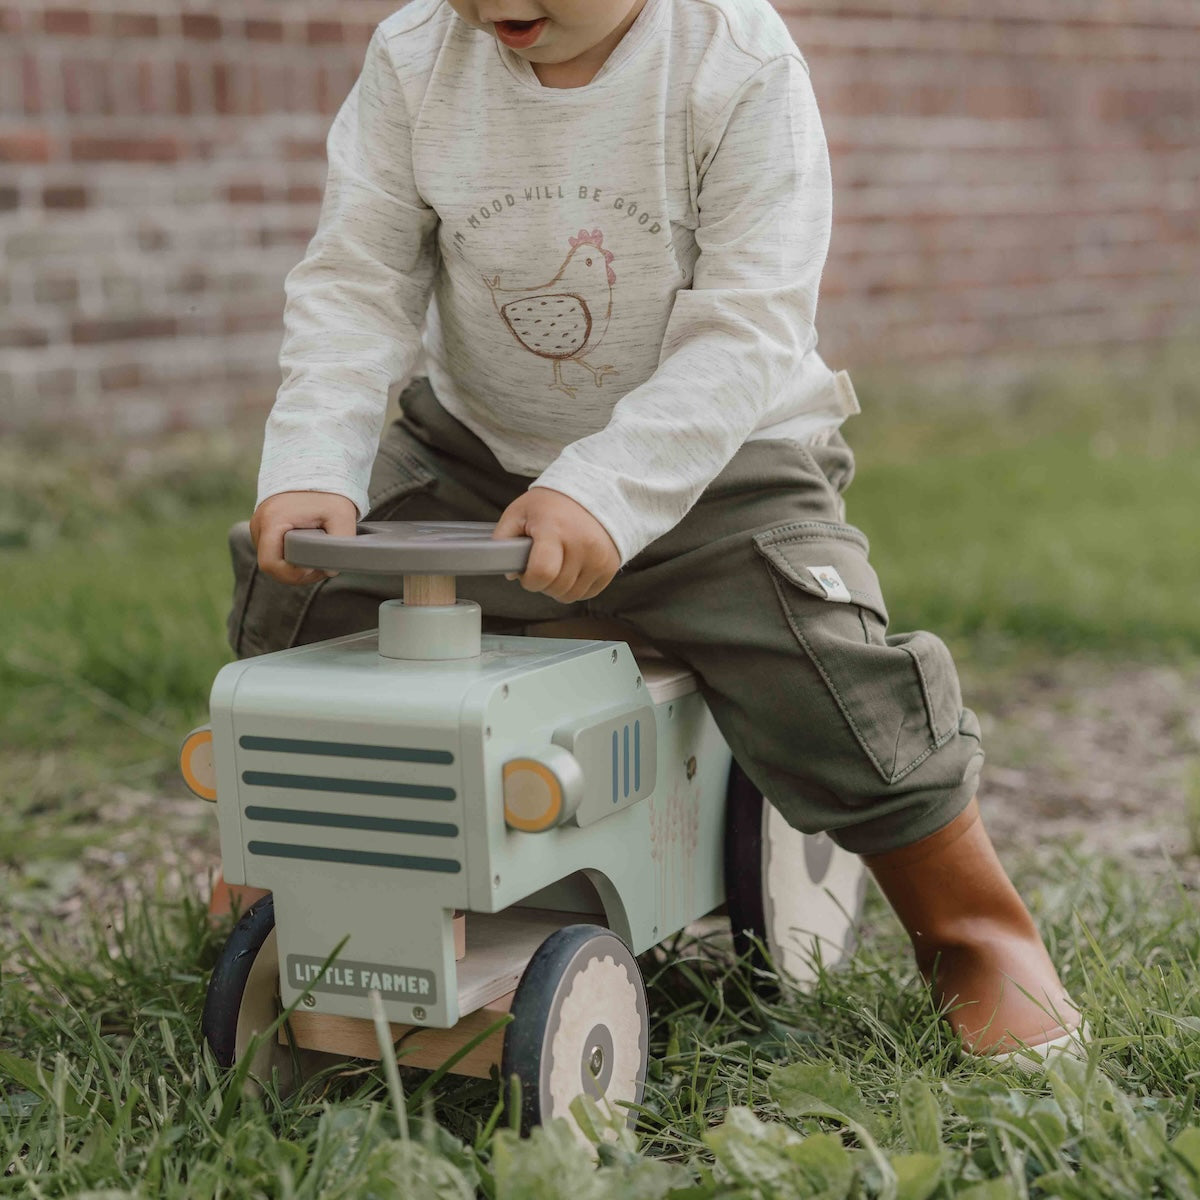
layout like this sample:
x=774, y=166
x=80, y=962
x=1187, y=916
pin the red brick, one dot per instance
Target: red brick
x=29, y=146
x=120, y=378
x=259, y=322
x=125, y=149
x=31, y=85
x=358, y=33
x=258, y=30
x=125, y=329
x=133, y=25
x=304, y=149
x=324, y=33
x=25, y=337
x=190, y=283
x=304, y=194
x=65, y=196
x=72, y=21
x=222, y=89
x=151, y=237
x=204, y=27
x=247, y=193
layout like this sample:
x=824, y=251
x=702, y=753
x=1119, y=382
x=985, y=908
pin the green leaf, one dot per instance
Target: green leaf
x=22, y=1071
x=408, y=1169
x=818, y=1090
x=606, y=1128
x=56, y=1090
x=536, y=1168
x=826, y=1166
x=672, y=1042
x=1187, y=1146
x=1069, y=1084
x=920, y=1117
x=778, y=1163
x=917, y=1175
x=1189, y=1023
x=993, y=1189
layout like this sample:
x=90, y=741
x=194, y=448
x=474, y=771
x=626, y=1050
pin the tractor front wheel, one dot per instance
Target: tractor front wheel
x=580, y=1026
x=243, y=1003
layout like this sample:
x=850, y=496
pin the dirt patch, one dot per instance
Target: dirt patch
x=1102, y=756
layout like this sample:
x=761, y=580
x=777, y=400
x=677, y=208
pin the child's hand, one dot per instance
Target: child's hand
x=573, y=558
x=298, y=510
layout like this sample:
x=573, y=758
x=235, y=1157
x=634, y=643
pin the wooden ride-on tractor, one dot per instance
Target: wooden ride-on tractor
x=569, y=800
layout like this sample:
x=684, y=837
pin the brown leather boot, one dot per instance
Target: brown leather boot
x=975, y=941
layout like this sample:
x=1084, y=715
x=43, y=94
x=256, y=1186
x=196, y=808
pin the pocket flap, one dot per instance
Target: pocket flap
x=798, y=551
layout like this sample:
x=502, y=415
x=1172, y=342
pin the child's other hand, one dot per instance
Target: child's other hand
x=298, y=510
x=572, y=558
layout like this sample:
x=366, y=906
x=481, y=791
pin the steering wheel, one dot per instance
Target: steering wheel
x=411, y=548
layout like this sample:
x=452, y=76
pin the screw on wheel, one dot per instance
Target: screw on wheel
x=798, y=895
x=243, y=1002
x=580, y=1026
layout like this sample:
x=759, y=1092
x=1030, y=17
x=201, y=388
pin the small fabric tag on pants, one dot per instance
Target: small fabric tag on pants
x=831, y=583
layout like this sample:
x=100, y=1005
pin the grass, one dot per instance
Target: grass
x=1033, y=522
x=113, y=587
x=108, y=1092
x=1059, y=516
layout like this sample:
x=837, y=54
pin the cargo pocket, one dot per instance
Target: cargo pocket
x=899, y=694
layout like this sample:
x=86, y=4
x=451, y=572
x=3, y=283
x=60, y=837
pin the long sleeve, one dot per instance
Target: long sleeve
x=739, y=334
x=356, y=302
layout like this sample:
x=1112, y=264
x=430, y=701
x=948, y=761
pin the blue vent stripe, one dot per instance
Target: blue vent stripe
x=637, y=756
x=354, y=787
x=300, y=816
x=357, y=858
x=626, y=739
x=346, y=750
x=614, y=769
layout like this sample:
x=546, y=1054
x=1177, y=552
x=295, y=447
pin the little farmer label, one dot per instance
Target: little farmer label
x=409, y=984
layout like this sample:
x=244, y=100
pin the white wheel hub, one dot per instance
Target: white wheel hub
x=812, y=892
x=596, y=1042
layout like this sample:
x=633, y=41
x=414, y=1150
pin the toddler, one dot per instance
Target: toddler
x=586, y=237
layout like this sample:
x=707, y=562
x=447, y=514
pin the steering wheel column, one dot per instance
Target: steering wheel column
x=429, y=623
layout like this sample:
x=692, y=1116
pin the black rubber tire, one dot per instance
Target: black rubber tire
x=227, y=985
x=528, y=1039
x=743, y=866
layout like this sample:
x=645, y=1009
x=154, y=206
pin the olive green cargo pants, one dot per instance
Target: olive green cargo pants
x=845, y=727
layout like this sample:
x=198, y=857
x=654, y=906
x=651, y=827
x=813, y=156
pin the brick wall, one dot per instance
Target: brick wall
x=1010, y=175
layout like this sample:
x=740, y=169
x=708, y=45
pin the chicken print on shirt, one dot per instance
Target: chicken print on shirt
x=567, y=318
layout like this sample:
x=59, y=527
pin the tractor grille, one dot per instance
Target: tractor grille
x=396, y=807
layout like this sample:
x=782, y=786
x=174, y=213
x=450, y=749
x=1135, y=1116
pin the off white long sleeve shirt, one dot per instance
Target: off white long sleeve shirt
x=613, y=286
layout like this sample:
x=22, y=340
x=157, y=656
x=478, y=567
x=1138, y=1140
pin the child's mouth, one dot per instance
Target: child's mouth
x=520, y=34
